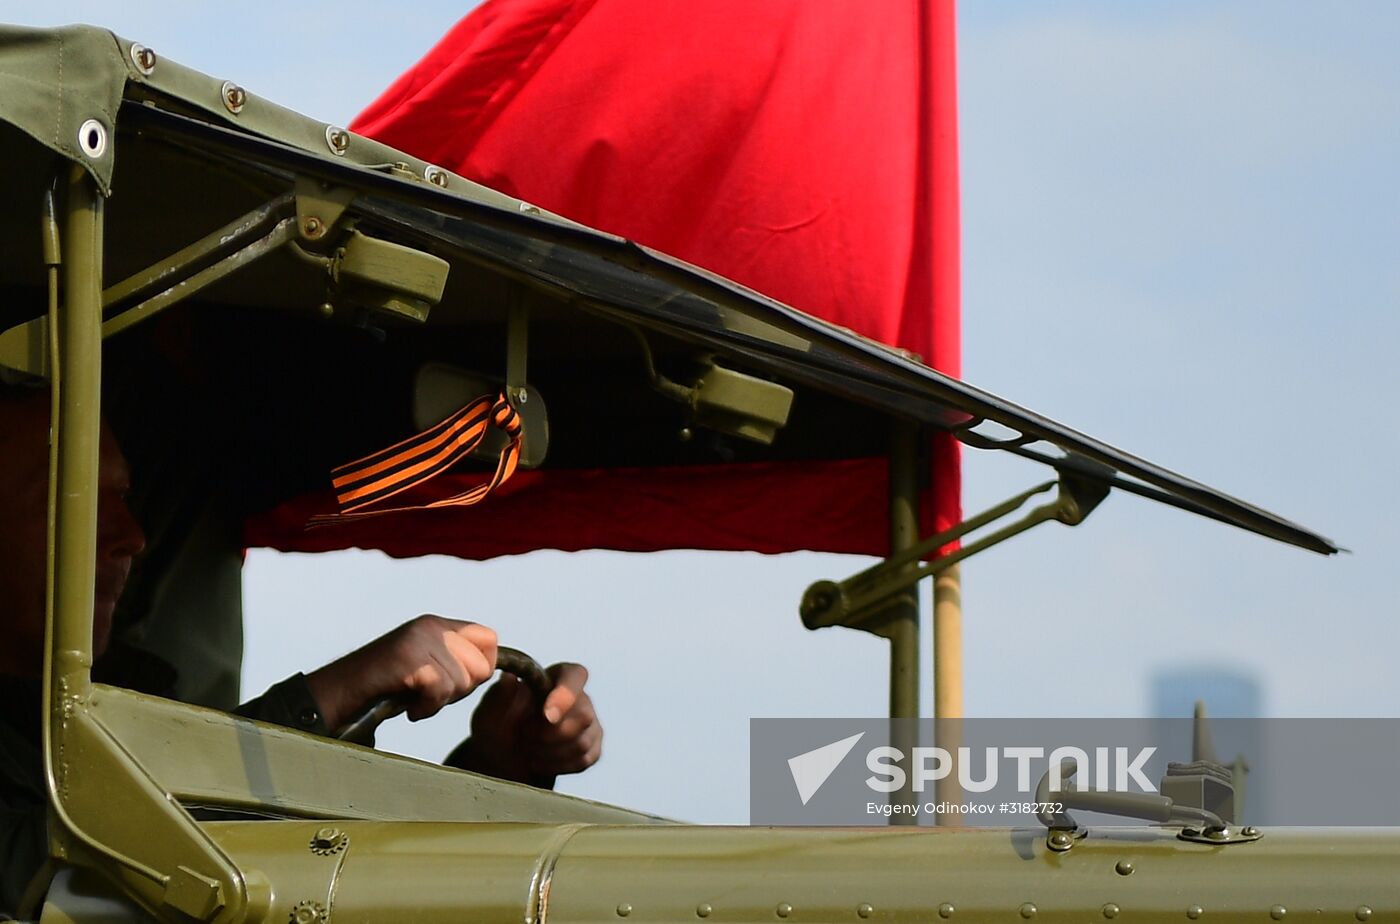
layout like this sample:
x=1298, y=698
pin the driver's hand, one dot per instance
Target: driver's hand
x=432, y=660
x=513, y=738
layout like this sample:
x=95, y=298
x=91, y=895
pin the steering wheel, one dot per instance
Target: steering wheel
x=361, y=729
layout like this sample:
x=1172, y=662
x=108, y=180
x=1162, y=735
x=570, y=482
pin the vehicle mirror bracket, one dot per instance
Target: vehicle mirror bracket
x=517, y=349
x=320, y=206
x=868, y=600
x=723, y=400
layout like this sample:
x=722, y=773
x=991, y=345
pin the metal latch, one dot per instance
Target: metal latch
x=1200, y=796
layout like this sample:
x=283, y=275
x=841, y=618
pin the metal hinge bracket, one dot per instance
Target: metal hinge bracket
x=868, y=600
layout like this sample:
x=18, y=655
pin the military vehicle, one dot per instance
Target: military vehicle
x=323, y=282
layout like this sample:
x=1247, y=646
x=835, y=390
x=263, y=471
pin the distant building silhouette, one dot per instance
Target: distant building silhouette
x=1228, y=693
x=1232, y=698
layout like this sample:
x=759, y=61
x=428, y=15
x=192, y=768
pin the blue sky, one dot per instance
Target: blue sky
x=1181, y=225
x=1180, y=232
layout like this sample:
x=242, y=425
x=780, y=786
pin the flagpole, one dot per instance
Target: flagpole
x=948, y=680
x=947, y=644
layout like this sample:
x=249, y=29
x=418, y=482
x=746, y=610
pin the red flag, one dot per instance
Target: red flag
x=805, y=149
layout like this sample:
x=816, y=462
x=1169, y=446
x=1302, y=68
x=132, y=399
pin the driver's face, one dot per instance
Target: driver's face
x=24, y=457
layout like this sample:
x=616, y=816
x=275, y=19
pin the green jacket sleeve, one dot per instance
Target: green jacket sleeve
x=288, y=703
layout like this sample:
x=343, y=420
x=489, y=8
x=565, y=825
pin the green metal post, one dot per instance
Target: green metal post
x=73, y=456
x=164, y=860
x=903, y=629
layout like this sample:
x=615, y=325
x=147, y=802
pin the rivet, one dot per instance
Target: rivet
x=1028, y=910
x=307, y=912
x=1249, y=831
x=1218, y=834
x=338, y=140
x=1277, y=912
x=703, y=910
x=327, y=309
x=865, y=911
x=435, y=175
x=1060, y=840
x=686, y=434
x=1110, y=910
x=784, y=909
x=945, y=910
x=1124, y=867
x=623, y=910
x=144, y=58
x=328, y=841
x=1363, y=913
x=234, y=96
x=522, y=396
x=312, y=226
x=1194, y=912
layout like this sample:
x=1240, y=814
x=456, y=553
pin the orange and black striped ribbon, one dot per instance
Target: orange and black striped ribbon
x=361, y=486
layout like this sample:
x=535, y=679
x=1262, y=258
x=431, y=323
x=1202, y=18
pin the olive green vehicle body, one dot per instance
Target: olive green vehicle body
x=165, y=810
